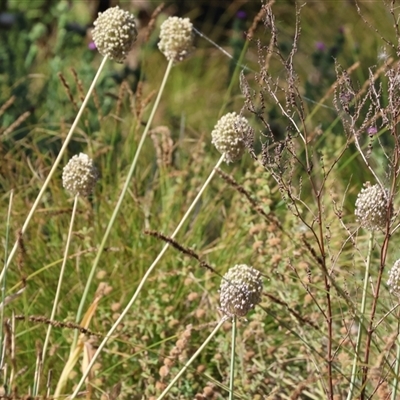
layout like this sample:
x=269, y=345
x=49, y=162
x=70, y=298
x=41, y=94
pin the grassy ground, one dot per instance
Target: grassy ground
x=45, y=71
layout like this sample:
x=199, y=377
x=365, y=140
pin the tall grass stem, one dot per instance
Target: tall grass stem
x=60, y=278
x=55, y=165
x=396, y=368
x=3, y=286
x=144, y=279
x=353, y=378
x=233, y=352
x=119, y=203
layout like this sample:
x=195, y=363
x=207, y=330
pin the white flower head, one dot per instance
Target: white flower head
x=240, y=290
x=228, y=136
x=176, y=38
x=80, y=175
x=372, y=207
x=115, y=33
x=394, y=279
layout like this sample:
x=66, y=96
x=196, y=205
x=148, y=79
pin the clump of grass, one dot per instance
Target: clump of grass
x=111, y=49
x=79, y=177
x=228, y=137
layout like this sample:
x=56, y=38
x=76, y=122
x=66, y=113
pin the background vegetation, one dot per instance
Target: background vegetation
x=46, y=66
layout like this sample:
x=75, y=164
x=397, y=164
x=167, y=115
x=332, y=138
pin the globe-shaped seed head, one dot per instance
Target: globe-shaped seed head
x=240, y=290
x=176, y=38
x=80, y=175
x=372, y=206
x=115, y=33
x=394, y=279
x=228, y=136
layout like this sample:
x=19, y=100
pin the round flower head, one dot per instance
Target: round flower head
x=228, y=136
x=176, y=38
x=240, y=290
x=394, y=279
x=114, y=33
x=371, y=207
x=80, y=175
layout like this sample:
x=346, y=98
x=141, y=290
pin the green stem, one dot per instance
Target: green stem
x=234, y=79
x=60, y=278
x=353, y=378
x=119, y=203
x=142, y=282
x=54, y=167
x=198, y=351
x=3, y=287
x=396, y=368
x=232, y=370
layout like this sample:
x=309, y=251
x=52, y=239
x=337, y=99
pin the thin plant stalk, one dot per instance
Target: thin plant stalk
x=55, y=165
x=36, y=379
x=353, y=377
x=187, y=364
x=119, y=202
x=60, y=279
x=3, y=286
x=233, y=348
x=142, y=282
x=11, y=330
x=396, y=367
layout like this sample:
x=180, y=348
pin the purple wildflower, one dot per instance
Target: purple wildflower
x=92, y=46
x=241, y=14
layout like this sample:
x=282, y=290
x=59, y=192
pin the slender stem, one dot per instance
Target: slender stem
x=353, y=378
x=397, y=366
x=142, y=282
x=384, y=253
x=198, y=351
x=36, y=376
x=11, y=339
x=3, y=287
x=60, y=278
x=119, y=203
x=327, y=284
x=235, y=76
x=54, y=167
x=232, y=370
x=330, y=334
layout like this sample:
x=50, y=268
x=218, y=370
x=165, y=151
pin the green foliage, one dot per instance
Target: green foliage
x=46, y=69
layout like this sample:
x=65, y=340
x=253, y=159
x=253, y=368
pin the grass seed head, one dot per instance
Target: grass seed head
x=176, y=38
x=80, y=175
x=115, y=33
x=228, y=136
x=371, y=207
x=240, y=290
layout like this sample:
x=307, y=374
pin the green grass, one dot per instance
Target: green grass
x=282, y=345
